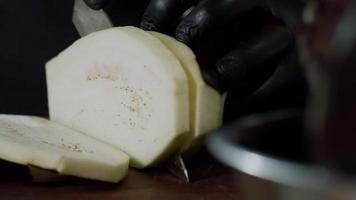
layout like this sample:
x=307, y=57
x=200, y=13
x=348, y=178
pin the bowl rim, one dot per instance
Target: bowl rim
x=267, y=167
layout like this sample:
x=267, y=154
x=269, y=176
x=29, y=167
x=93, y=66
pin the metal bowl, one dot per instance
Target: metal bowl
x=271, y=152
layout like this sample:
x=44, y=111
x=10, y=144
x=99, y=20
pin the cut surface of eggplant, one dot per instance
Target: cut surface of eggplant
x=124, y=87
x=36, y=141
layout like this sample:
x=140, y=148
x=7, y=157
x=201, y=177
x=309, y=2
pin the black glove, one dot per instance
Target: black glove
x=241, y=45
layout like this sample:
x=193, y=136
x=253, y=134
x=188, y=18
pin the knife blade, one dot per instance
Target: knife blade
x=177, y=167
x=86, y=21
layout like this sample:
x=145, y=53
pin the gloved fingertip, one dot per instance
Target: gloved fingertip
x=147, y=25
x=194, y=26
x=183, y=33
x=212, y=78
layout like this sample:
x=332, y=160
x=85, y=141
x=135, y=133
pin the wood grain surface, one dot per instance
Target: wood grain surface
x=209, y=180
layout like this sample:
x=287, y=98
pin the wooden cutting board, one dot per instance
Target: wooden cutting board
x=209, y=180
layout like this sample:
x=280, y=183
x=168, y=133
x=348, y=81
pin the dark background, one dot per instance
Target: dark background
x=31, y=33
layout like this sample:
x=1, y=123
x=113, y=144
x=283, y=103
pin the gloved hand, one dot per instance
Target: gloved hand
x=245, y=47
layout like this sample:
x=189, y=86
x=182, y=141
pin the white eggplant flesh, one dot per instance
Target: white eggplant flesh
x=36, y=141
x=123, y=87
x=206, y=103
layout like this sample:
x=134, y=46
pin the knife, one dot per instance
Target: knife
x=86, y=21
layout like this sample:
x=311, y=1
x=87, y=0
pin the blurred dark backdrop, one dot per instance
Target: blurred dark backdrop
x=31, y=33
